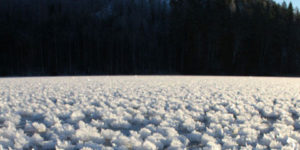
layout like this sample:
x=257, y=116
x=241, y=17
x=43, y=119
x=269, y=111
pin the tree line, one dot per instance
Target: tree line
x=199, y=37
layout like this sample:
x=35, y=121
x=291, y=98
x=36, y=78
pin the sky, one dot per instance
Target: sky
x=296, y=3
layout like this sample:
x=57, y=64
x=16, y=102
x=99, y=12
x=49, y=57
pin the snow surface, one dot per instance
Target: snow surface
x=150, y=113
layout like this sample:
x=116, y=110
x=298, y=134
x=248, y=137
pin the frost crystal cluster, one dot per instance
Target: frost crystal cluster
x=148, y=113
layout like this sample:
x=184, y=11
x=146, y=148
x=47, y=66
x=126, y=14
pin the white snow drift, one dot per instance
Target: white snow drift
x=151, y=113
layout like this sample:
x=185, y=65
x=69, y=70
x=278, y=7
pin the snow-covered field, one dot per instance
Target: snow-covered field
x=150, y=113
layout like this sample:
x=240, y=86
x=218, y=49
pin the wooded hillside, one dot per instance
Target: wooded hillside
x=84, y=37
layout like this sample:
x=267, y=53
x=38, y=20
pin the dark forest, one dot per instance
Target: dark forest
x=182, y=37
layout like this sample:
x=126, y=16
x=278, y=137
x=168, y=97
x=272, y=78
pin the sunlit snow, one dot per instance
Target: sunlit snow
x=134, y=112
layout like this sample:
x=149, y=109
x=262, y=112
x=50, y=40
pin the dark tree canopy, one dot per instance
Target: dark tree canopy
x=200, y=37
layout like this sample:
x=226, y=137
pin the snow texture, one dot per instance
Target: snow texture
x=149, y=113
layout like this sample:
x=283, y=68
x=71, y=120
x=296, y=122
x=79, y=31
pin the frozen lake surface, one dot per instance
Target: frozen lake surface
x=150, y=112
